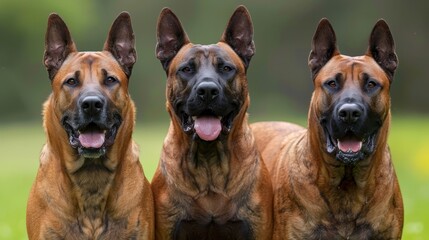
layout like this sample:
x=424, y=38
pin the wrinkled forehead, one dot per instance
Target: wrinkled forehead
x=352, y=67
x=214, y=53
x=91, y=62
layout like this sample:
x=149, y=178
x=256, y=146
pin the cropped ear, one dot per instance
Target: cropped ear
x=382, y=48
x=323, y=47
x=120, y=42
x=239, y=34
x=58, y=44
x=170, y=37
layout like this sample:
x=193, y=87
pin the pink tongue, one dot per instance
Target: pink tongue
x=349, y=145
x=91, y=139
x=208, y=128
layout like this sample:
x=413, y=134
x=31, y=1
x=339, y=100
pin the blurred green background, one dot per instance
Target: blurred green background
x=279, y=79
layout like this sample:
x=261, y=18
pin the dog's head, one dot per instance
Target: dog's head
x=207, y=85
x=90, y=89
x=351, y=101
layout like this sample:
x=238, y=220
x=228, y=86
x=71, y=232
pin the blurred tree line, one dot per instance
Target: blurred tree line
x=279, y=79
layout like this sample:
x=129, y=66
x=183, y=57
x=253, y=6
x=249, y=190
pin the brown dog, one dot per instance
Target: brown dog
x=90, y=184
x=336, y=180
x=211, y=182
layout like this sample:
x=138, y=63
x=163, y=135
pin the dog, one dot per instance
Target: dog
x=335, y=180
x=211, y=182
x=90, y=183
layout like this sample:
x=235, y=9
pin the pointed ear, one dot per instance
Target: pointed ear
x=58, y=44
x=120, y=42
x=239, y=34
x=323, y=47
x=171, y=37
x=382, y=48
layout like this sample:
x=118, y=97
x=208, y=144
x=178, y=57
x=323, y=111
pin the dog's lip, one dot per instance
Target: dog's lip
x=195, y=117
x=84, y=131
x=91, y=126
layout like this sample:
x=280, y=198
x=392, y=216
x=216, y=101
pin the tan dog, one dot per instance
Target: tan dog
x=90, y=184
x=336, y=180
x=211, y=182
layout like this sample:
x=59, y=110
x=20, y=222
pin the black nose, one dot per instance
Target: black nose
x=349, y=113
x=207, y=91
x=92, y=105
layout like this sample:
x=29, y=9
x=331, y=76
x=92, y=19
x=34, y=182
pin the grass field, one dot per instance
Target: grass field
x=20, y=145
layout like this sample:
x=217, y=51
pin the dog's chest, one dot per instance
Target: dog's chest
x=213, y=216
x=93, y=182
x=213, y=206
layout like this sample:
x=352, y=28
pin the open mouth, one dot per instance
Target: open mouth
x=350, y=148
x=349, y=144
x=207, y=125
x=91, y=139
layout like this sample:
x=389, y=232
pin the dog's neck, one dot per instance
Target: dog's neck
x=92, y=182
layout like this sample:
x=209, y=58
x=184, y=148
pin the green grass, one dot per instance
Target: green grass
x=409, y=143
x=20, y=146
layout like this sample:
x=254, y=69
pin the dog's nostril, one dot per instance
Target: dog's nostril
x=201, y=91
x=214, y=92
x=85, y=105
x=98, y=105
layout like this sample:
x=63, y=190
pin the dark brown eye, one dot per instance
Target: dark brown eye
x=186, y=69
x=227, y=69
x=332, y=84
x=110, y=80
x=371, y=84
x=71, y=82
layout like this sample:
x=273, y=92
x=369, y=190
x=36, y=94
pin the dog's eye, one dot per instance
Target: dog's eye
x=186, y=72
x=332, y=84
x=110, y=80
x=371, y=84
x=71, y=82
x=227, y=68
x=186, y=69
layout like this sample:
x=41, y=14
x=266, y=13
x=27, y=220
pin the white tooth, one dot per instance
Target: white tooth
x=194, y=117
x=220, y=118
